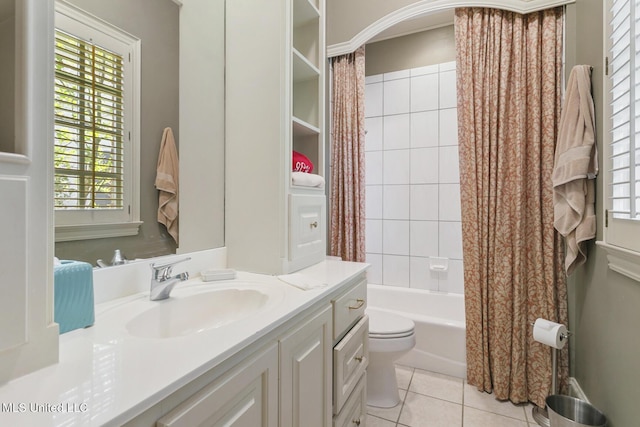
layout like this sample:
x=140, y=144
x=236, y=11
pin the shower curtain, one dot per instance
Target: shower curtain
x=347, y=157
x=509, y=97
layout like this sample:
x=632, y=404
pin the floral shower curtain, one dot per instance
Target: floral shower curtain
x=509, y=98
x=347, y=157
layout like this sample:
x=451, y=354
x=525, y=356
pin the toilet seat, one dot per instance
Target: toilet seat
x=384, y=325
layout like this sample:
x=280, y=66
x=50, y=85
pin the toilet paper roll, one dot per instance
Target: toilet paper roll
x=550, y=333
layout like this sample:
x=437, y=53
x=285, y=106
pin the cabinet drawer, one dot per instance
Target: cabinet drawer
x=306, y=227
x=350, y=359
x=354, y=413
x=348, y=308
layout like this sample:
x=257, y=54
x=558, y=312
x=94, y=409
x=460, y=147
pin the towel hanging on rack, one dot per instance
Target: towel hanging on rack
x=575, y=168
x=167, y=183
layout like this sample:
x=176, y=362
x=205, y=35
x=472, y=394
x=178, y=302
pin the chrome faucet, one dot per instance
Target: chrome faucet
x=161, y=281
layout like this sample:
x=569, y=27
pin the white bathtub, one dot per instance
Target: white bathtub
x=440, y=327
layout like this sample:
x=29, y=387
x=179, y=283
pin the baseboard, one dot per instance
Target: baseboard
x=576, y=391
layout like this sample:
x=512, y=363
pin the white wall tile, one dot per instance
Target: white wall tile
x=450, y=234
x=373, y=167
x=373, y=202
x=449, y=202
x=449, y=165
x=395, y=237
x=423, y=202
x=397, y=130
x=447, y=88
x=413, y=196
x=424, y=165
x=373, y=100
x=395, y=270
x=424, y=129
x=421, y=276
x=420, y=71
x=377, y=78
x=395, y=75
x=448, y=66
x=424, y=93
x=452, y=280
x=373, y=235
x=396, y=97
x=374, y=272
x=448, y=126
x=396, y=166
x=373, y=137
x=395, y=202
x=424, y=238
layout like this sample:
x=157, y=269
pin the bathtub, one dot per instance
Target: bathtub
x=440, y=328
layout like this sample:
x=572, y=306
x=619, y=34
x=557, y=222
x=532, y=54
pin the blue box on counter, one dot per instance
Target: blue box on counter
x=73, y=295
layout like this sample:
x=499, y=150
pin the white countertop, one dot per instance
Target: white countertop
x=106, y=376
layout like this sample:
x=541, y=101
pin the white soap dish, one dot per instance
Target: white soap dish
x=211, y=275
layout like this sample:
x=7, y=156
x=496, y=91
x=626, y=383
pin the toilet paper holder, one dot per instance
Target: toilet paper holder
x=563, y=335
x=540, y=415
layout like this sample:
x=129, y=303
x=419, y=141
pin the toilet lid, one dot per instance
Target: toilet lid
x=388, y=325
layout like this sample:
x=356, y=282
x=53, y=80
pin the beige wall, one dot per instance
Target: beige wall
x=410, y=51
x=604, y=305
x=345, y=19
x=156, y=23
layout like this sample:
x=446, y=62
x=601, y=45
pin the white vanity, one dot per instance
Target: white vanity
x=270, y=355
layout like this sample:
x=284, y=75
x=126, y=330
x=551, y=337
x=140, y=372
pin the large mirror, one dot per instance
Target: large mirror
x=182, y=87
x=156, y=24
x=7, y=75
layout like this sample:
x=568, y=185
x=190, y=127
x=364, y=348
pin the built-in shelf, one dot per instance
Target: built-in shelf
x=304, y=12
x=302, y=128
x=303, y=69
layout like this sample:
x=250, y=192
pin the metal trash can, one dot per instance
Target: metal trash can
x=567, y=411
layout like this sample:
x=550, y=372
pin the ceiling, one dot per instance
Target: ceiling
x=420, y=23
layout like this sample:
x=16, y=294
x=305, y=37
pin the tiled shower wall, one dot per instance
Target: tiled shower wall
x=412, y=179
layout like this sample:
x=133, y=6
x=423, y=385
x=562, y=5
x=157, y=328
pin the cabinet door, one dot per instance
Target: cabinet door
x=305, y=374
x=247, y=396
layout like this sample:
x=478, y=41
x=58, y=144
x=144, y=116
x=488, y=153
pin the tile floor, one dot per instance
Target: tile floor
x=436, y=400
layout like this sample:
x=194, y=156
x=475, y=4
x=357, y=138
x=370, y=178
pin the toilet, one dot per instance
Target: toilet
x=390, y=337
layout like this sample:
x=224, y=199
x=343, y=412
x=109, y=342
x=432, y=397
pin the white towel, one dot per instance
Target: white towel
x=575, y=167
x=301, y=281
x=307, y=179
x=167, y=183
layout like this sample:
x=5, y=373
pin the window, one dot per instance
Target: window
x=622, y=133
x=96, y=120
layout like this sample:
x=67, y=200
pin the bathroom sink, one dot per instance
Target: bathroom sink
x=179, y=316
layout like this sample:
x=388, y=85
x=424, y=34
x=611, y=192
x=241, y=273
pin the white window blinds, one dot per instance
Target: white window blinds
x=624, y=72
x=89, y=130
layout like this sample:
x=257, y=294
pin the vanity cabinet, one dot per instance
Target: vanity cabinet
x=247, y=396
x=287, y=383
x=274, y=104
x=305, y=373
x=350, y=355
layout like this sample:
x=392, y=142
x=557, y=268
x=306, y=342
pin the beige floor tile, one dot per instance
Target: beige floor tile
x=404, y=374
x=390, y=414
x=477, y=418
x=425, y=411
x=378, y=422
x=487, y=402
x=437, y=385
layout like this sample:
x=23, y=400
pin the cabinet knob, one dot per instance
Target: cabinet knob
x=314, y=224
x=359, y=303
x=357, y=422
x=359, y=358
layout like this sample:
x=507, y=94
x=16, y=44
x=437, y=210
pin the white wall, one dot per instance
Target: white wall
x=412, y=178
